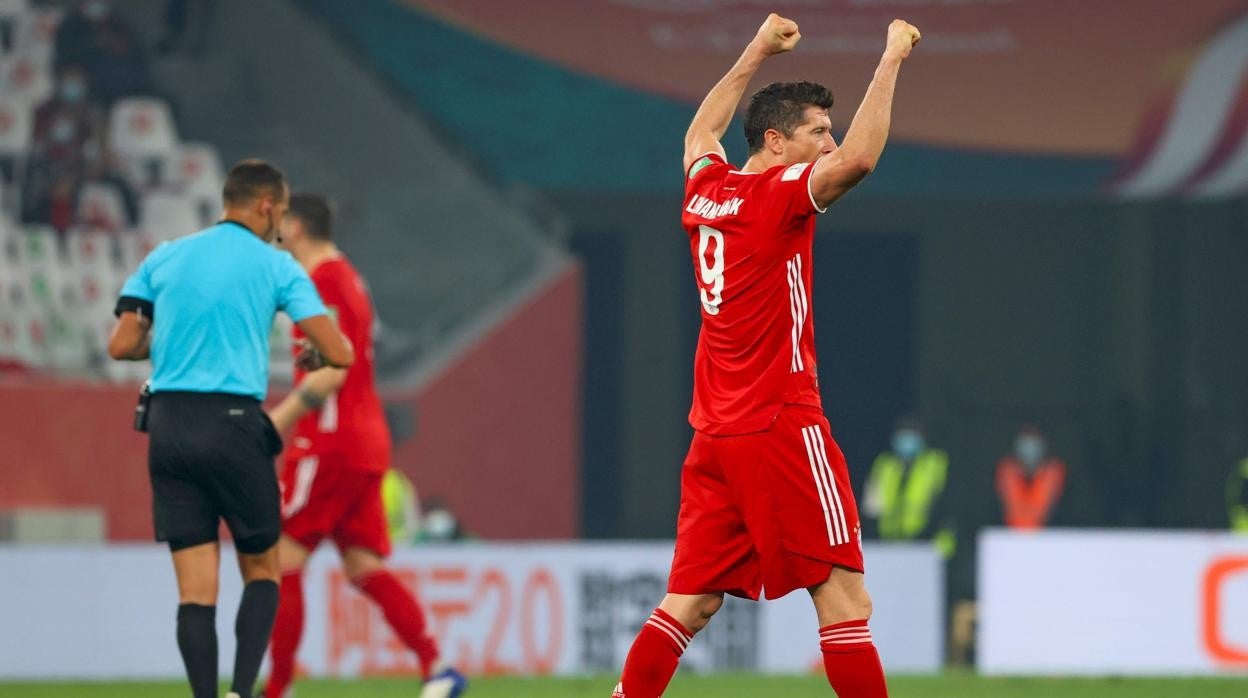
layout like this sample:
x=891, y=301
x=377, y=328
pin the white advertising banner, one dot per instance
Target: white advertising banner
x=1113, y=602
x=109, y=611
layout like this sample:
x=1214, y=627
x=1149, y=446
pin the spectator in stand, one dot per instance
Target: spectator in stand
x=67, y=121
x=94, y=36
x=63, y=126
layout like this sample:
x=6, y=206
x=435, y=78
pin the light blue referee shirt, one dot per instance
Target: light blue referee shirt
x=212, y=297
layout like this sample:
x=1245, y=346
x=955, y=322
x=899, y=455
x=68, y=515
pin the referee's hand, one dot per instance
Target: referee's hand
x=308, y=359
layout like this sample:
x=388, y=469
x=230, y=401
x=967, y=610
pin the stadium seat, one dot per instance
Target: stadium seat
x=133, y=246
x=36, y=33
x=39, y=257
x=198, y=171
x=89, y=248
x=15, y=338
x=66, y=343
x=142, y=133
x=16, y=130
x=168, y=215
x=90, y=276
x=27, y=77
x=101, y=205
x=12, y=14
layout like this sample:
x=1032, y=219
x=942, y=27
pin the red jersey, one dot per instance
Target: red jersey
x=751, y=237
x=351, y=421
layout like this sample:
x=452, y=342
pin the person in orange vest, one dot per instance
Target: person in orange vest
x=1029, y=481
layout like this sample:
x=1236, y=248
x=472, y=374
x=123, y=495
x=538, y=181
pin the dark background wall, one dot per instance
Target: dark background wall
x=1118, y=328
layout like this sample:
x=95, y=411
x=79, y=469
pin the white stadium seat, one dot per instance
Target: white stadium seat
x=16, y=127
x=39, y=256
x=27, y=77
x=134, y=245
x=168, y=215
x=197, y=170
x=36, y=33
x=142, y=133
x=101, y=205
x=12, y=14
x=89, y=248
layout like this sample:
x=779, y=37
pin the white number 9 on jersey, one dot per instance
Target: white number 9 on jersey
x=712, y=274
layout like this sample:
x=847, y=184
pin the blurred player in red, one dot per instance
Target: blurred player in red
x=766, y=503
x=333, y=469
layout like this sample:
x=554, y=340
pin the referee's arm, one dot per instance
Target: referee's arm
x=131, y=338
x=297, y=296
x=328, y=340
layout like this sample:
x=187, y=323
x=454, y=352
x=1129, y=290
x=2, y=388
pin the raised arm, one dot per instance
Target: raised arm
x=839, y=171
x=777, y=35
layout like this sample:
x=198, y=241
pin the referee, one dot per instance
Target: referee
x=201, y=307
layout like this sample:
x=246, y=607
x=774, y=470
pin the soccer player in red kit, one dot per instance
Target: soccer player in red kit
x=766, y=503
x=333, y=469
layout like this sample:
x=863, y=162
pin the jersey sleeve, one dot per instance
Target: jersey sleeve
x=790, y=190
x=701, y=166
x=137, y=294
x=296, y=295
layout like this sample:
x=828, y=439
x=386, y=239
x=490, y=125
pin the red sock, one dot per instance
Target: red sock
x=403, y=614
x=287, y=629
x=850, y=659
x=653, y=658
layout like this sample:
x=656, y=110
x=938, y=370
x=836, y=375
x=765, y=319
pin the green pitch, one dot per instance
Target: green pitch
x=744, y=686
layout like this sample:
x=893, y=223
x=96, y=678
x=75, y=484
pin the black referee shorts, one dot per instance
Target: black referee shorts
x=211, y=458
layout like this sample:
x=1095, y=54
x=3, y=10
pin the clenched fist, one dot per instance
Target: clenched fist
x=902, y=36
x=777, y=35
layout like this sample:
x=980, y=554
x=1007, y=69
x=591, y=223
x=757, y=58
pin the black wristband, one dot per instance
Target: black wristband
x=132, y=304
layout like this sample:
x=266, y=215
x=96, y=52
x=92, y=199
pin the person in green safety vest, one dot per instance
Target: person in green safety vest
x=402, y=506
x=1237, y=497
x=905, y=490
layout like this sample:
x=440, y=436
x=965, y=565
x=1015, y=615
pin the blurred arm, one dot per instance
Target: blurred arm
x=328, y=340
x=309, y=395
x=131, y=339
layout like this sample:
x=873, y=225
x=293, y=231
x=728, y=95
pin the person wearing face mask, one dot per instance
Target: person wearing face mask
x=1030, y=482
x=201, y=307
x=65, y=127
x=95, y=36
x=67, y=121
x=904, y=495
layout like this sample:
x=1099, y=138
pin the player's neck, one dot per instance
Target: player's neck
x=761, y=161
x=316, y=254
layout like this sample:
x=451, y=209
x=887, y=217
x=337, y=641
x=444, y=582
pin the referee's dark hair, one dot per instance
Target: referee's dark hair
x=251, y=179
x=314, y=211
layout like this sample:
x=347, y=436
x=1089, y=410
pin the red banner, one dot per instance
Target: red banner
x=1065, y=77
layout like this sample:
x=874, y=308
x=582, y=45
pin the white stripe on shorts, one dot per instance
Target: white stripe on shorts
x=838, y=507
x=305, y=473
x=815, y=467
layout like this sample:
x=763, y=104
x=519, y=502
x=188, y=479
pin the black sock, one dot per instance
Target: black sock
x=252, y=628
x=197, y=639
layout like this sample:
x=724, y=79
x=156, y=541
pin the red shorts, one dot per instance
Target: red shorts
x=771, y=511
x=324, y=496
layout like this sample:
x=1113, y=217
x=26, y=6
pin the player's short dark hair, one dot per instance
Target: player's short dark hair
x=782, y=106
x=314, y=211
x=250, y=180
